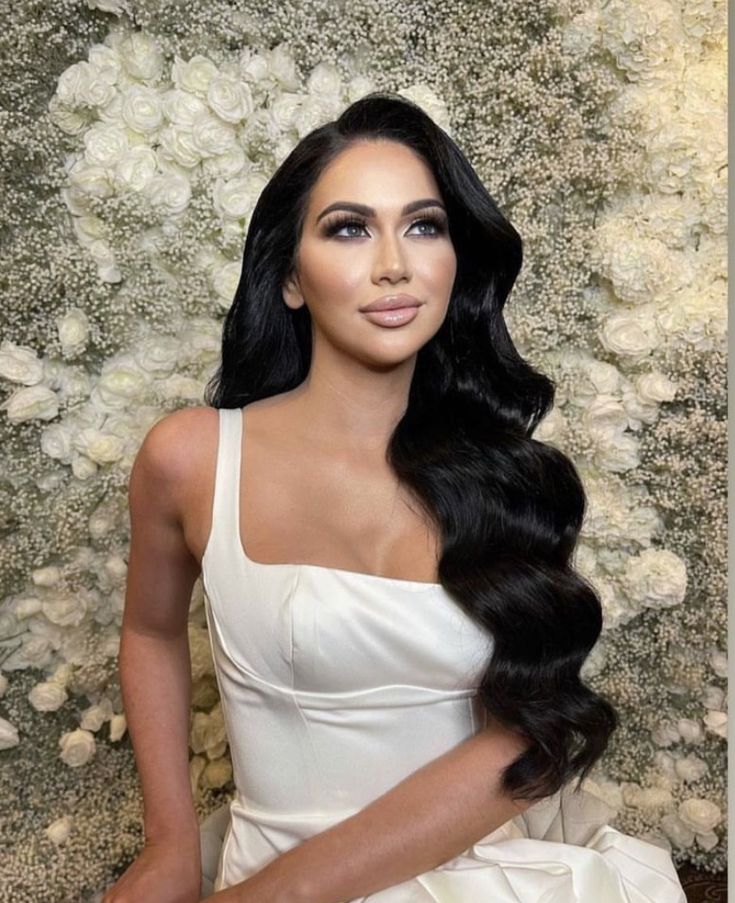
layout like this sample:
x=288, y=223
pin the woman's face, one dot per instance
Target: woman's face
x=375, y=228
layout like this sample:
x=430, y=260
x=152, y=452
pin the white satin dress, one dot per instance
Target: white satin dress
x=336, y=685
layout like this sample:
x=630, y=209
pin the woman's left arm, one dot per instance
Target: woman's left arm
x=430, y=817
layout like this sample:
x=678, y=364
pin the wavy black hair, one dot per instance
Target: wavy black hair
x=508, y=508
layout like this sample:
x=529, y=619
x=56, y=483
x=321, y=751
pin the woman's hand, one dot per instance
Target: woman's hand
x=167, y=871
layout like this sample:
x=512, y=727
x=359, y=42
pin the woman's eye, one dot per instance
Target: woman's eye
x=435, y=226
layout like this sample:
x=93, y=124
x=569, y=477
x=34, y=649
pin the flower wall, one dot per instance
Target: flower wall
x=139, y=136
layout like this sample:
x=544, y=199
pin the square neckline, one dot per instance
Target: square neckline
x=240, y=436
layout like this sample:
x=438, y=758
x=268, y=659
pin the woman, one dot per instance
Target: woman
x=395, y=622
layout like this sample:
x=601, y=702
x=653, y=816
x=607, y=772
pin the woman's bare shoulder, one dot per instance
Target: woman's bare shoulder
x=180, y=443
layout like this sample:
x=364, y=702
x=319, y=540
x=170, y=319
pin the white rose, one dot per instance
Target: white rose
x=178, y=386
x=606, y=378
x=690, y=730
x=8, y=734
x=212, y=136
x=280, y=116
x=193, y=76
x=69, y=83
x=141, y=108
x=665, y=734
x=104, y=145
x=82, y=468
x=73, y=331
x=716, y=723
x=26, y=607
x=77, y=747
x=230, y=99
x=666, y=763
x=76, y=201
x=358, y=86
x=713, y=697
x=96, y=715
x=604, y=417
x=177, y=145
x=56, y=442
x=157, y=353
x=313, y=112
x=282, y=68
x=46, y=576
x=718, y=662
x=233, y=198
x=183, y=108
x=655, y=387
x=253, y=66
x=119, y=383
x=551, y=428
x=58, y=831
x=47, y=696
x=231, y=163
x=430, y=103
x=169, y=193
x=699, y=815
x=101, y=521
x=64, y=610
x=217, y=773
x=91, y=180
x=691, y=768
x=100, y=447
x=141, y=56
x=225, y=280
x=105, y=61
x=118, y=726
x=31, y=403
x=638, y=411
x=20, y=364
x=70, y=121
x=675, y=829
x=94, y=89
x=116, y=568
x=324, y=80
x=708, y=840
x=656, y=577
x=633, y=334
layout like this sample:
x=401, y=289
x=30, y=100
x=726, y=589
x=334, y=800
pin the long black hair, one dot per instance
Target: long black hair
x=508, y=508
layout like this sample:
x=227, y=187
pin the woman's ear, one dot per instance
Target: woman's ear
x=292, y=291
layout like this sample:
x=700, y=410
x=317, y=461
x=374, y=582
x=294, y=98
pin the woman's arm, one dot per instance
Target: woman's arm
x=154, y=663
x=430, y=817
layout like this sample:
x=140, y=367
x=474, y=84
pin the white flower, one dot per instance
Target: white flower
x=253, y=66
x=47, y=696
x=707, y=840
x=141, y=108
x=73, y=331
x=675, y=829
x=106, y=62
x=193, y=76
x=3, y=685
x=655, y=387
x=211, y=136
x=96, y=715
x=46, y=576
x=225, y=280
x=656, y=577
x=8, y=734
x=98, y=446
x=712, y=697
x=551, y=428
x=104, y=145
x=230, y=99
x=430, y=103
x=31, y=403
x=58, y=831
x=665, y=734
x=20, y=364
x=699, y=815
x=716, y=723
x=231, y=163
x=632, y=333
x=280, y=116
x=691, y=768
x=136, y=169
x=178, y=145
x=121, y=381
x=169, y=193
x=92, y=180
x=56, y=442
x=182, y=108
x=690, y=730
x=643, y=39
x=141, y=56
x=82, y=84
x=324, y=80
x=358, y=86
x=116, y=7
x=77, y=747
x=65, y=610
x=26, y=606
x=69, y=121
x=718, y=662
x=118, y=726
x=217, y=773
x=282, y=67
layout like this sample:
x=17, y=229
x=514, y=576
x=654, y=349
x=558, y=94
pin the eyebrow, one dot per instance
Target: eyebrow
x=370, y=211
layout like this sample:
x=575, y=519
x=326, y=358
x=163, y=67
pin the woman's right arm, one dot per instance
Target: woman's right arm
x=155, y=669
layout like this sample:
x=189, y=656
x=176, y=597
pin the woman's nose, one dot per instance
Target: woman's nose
x=390, y=259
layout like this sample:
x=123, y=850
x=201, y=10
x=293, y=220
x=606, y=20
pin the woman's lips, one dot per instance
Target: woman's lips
x=396, y=317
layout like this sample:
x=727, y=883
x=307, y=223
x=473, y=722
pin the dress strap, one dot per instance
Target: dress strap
x=226, y=502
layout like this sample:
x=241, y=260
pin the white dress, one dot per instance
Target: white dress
x=336, y=685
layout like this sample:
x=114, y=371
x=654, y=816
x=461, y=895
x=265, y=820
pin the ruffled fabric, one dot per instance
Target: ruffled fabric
x=560, y=850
